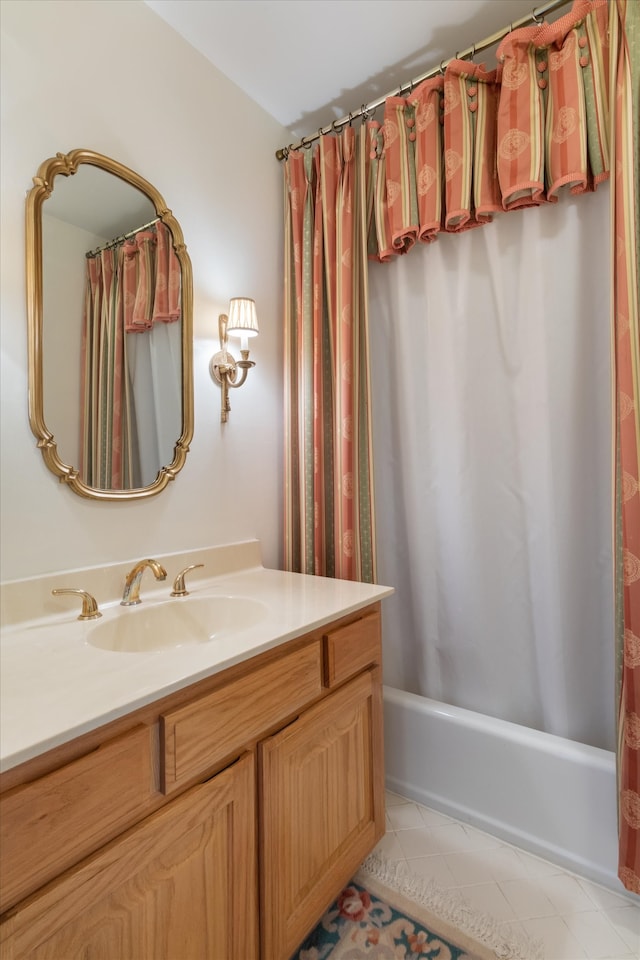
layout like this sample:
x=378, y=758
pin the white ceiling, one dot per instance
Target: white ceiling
x=97, y=202
x=308, y=62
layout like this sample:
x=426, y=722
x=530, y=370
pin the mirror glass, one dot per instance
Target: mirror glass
x=109, y=302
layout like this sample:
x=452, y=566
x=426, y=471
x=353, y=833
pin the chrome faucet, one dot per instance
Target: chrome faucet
x=131, y=594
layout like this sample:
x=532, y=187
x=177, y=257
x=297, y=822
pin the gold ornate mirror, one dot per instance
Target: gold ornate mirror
x=109, y=307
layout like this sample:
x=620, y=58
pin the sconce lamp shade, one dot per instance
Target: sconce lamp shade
x=243, y=321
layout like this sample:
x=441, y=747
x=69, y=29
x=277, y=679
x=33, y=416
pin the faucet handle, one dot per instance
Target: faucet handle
x=89, y=606
x=179, y=589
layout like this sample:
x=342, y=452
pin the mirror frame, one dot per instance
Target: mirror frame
x=66, y=165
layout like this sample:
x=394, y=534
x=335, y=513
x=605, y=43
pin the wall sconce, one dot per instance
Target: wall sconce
x=242, y=322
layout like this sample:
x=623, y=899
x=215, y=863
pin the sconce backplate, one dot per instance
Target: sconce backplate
x=224, y=360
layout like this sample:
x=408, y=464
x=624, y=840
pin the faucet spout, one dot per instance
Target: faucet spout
x=131, y=593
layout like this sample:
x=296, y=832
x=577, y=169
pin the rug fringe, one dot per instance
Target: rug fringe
x=450, y=906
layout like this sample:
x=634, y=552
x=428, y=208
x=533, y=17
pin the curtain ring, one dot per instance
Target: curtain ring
x=441, y=67
x=535, y=18
x=350, y=118
x=306, y=143
x=320, y=132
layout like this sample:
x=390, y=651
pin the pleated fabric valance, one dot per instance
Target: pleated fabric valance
x=471, y=142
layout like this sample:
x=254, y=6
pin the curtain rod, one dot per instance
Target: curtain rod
x=537, y=15
x=116, y=240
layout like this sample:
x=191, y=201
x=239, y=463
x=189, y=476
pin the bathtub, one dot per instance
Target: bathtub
x=553, y=797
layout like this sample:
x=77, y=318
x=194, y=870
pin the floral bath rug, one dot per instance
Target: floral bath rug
x=386, y=913
x=359, y=925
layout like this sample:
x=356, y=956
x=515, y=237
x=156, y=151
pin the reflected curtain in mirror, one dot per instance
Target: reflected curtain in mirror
x=131, y=360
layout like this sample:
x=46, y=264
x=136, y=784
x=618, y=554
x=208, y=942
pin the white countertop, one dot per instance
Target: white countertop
x=55, y=686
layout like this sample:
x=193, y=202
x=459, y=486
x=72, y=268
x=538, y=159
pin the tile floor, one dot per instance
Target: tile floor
x=574, y=917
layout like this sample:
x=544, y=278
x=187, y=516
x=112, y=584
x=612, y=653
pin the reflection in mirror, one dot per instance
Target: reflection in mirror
x=109, y=297
x=111, y=339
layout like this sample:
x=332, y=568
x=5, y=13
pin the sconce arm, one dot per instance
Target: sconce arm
x=223, y=320
x=244, y=366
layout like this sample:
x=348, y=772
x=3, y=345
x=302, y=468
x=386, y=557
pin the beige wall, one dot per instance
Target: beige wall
x=111, y=76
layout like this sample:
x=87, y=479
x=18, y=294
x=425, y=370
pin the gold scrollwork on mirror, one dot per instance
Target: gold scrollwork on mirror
x=109, y=309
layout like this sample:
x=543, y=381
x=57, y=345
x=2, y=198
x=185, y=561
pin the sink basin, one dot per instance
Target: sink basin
x=175, y=623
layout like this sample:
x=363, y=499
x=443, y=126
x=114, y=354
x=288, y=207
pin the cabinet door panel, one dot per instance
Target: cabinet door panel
x=181, y=884
x=323, y=809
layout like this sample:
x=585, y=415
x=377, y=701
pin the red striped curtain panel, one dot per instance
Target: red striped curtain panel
x=625, y=249
x=459, y=149
x=329, y=503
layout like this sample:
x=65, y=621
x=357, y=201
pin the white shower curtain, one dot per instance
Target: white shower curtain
x=154, y=368
x=490, y=357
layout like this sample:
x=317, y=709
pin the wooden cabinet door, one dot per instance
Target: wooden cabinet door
x=322, y=796
x=182, y=884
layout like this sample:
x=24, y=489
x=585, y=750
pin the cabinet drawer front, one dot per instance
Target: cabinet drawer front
x=53, y=822
x=198, y=736
x=351, y=648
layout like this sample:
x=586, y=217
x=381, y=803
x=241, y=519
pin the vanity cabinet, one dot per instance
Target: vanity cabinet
x=219, y=822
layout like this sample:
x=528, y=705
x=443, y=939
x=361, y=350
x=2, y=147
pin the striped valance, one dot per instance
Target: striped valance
x=471, y=142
